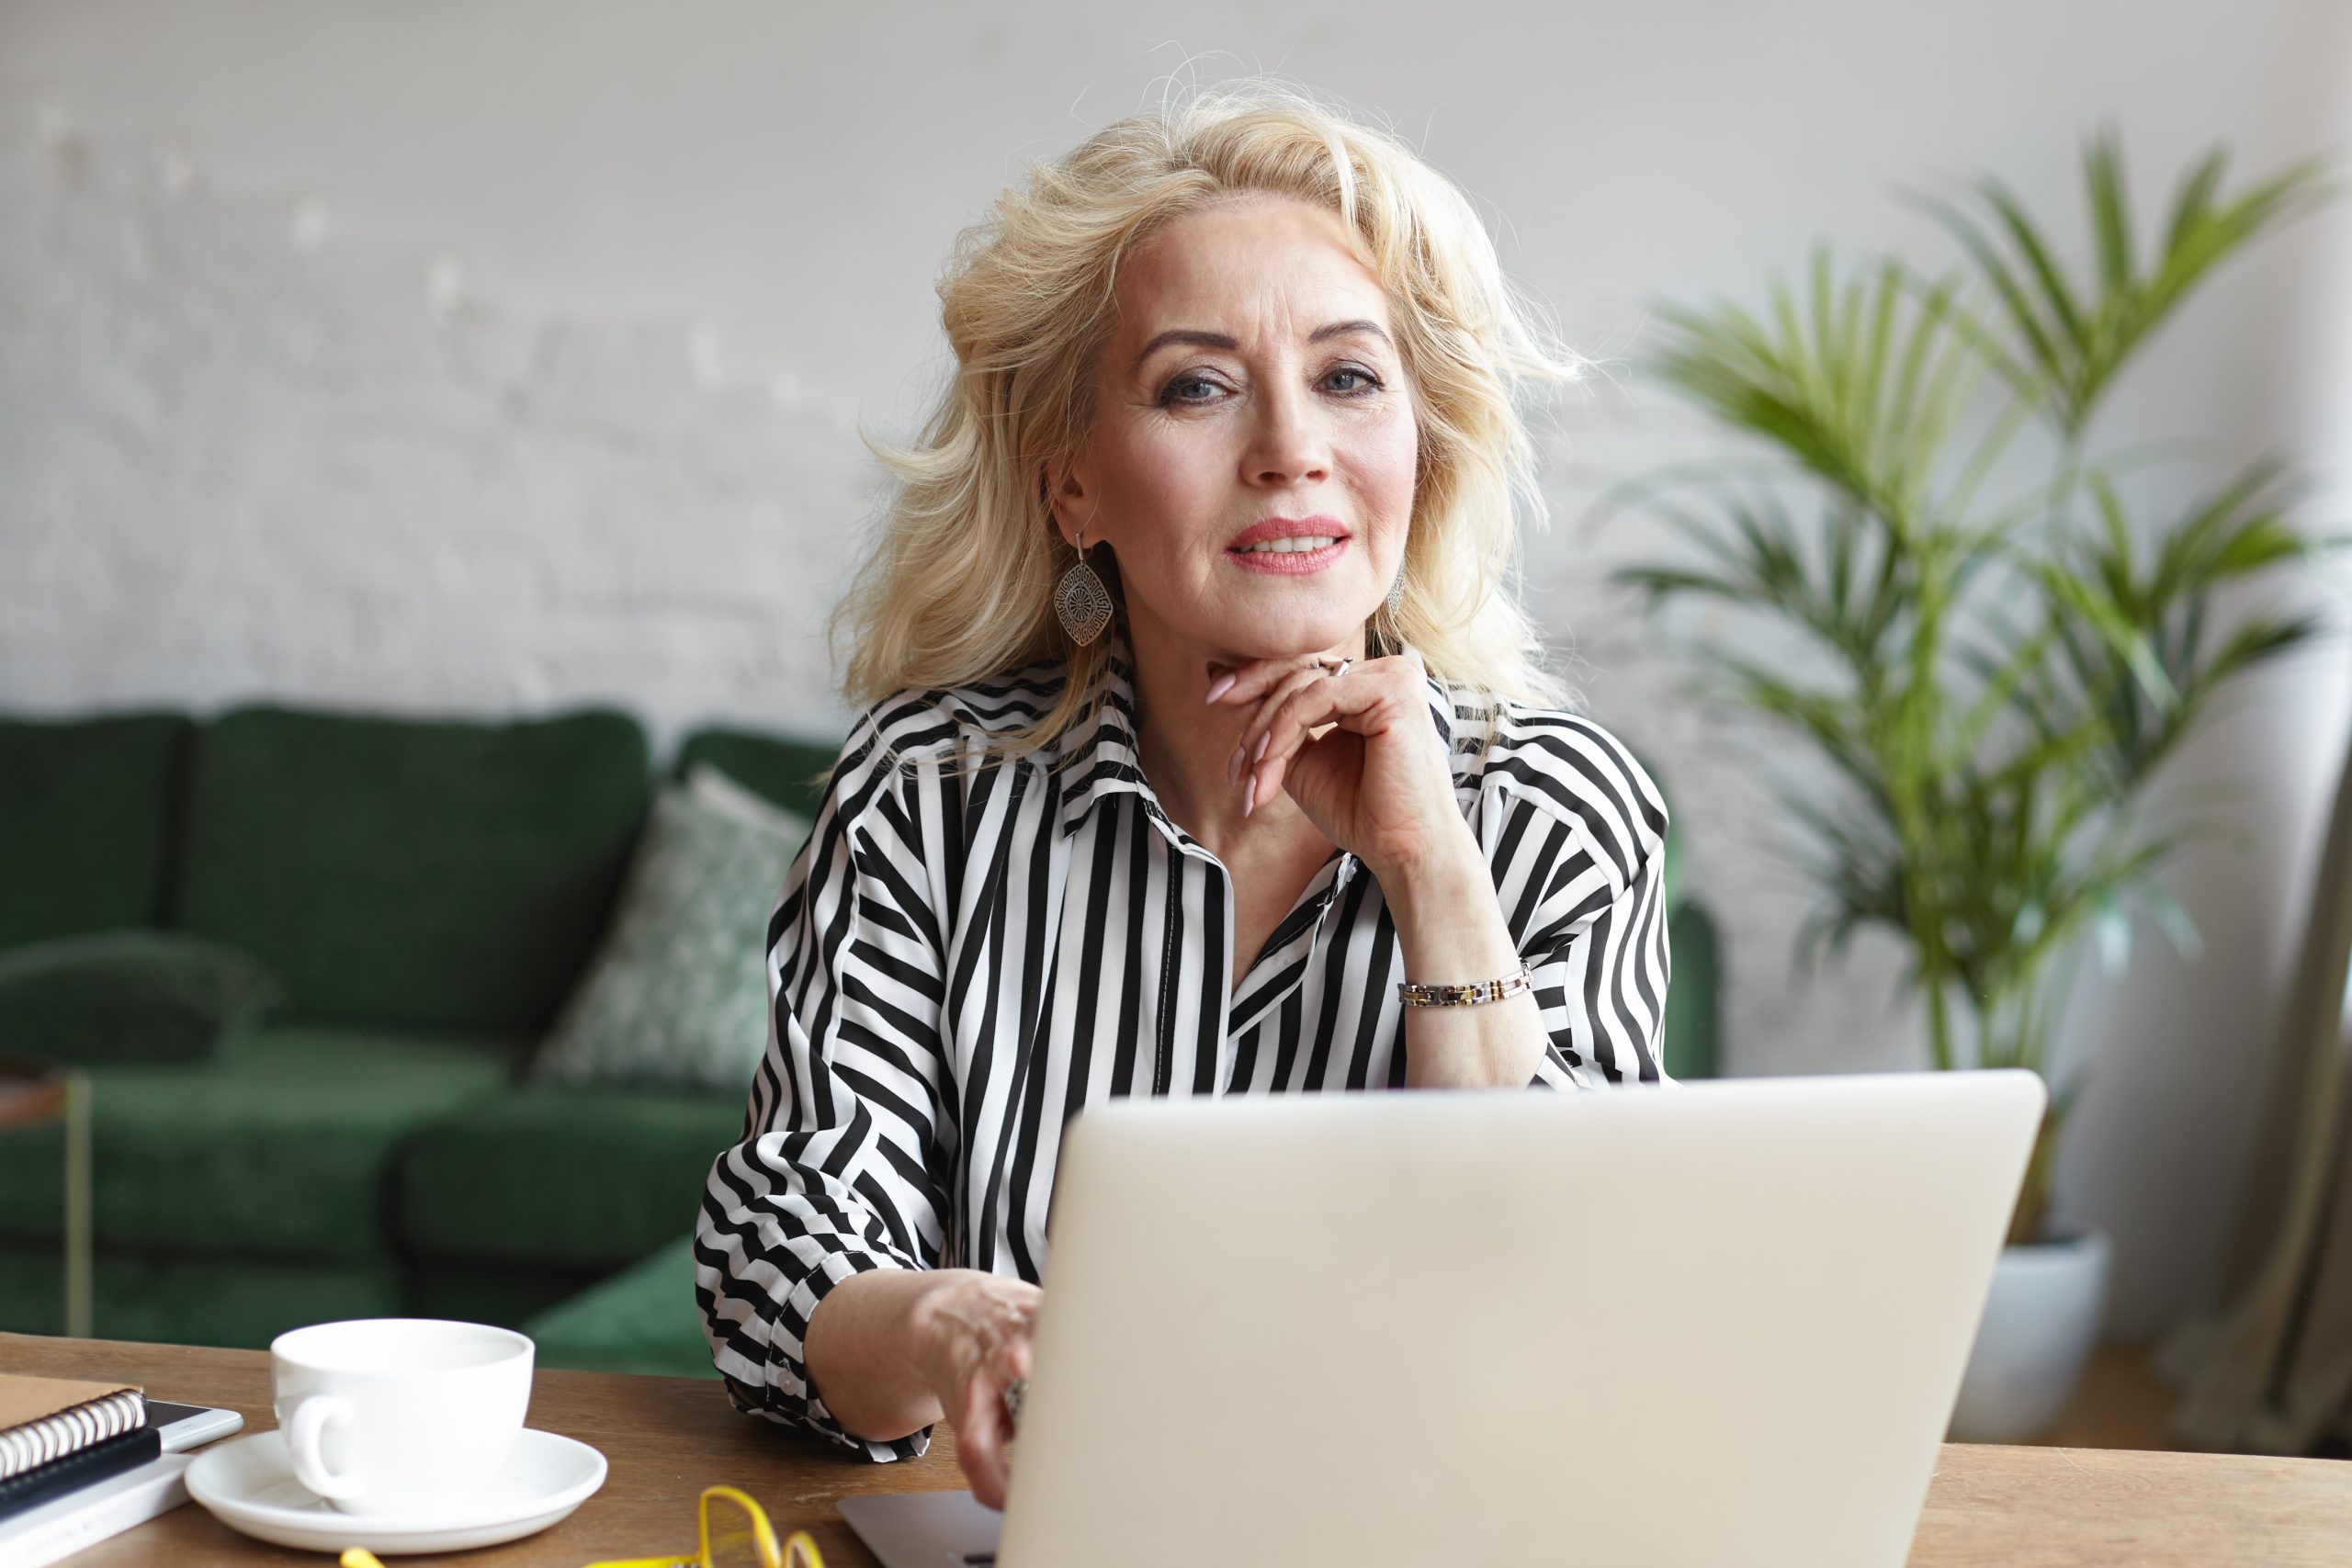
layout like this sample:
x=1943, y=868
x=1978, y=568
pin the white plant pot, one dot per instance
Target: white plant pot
x=2042, y=1320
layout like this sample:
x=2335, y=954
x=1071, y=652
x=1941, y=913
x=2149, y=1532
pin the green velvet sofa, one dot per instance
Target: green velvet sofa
x=427, y=894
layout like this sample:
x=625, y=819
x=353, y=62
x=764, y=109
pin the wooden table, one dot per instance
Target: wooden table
x=667, y=1437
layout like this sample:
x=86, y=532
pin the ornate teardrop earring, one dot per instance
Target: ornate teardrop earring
x=1081, y=601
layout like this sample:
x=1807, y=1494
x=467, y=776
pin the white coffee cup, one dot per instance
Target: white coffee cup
x=399, y=1416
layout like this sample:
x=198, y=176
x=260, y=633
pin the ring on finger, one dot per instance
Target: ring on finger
x=1014, y=1392
x=1342, y=670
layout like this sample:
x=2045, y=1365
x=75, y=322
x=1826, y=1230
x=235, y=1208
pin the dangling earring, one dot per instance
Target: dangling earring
x=1081, y=601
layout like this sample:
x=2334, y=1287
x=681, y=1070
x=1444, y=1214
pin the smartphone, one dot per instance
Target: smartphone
x=190, y=1425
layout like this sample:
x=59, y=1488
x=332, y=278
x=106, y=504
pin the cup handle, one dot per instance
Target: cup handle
x=310, y=1417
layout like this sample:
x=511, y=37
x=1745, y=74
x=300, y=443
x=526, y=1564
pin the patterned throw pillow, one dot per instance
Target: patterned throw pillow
x=677, y=995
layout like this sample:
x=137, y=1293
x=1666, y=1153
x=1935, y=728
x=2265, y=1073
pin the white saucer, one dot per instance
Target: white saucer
x=248, y=1484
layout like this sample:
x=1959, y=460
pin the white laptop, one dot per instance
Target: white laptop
x=1720, y=1323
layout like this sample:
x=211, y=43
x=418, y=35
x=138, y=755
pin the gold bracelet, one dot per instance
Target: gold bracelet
x=1418, y=996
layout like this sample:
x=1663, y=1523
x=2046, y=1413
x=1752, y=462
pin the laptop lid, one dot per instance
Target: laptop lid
x=1723, y=1322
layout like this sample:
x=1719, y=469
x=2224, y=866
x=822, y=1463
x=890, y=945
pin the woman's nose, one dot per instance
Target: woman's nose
x=1289, y=442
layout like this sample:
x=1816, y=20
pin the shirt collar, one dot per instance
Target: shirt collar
x=1101, y=753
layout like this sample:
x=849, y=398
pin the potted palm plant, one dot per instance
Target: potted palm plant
x=1983, y=691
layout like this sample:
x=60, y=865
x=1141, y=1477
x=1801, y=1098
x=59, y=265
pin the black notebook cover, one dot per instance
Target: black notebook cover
x=110, y=1456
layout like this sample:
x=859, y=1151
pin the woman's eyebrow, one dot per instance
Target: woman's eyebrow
x=1196, y=338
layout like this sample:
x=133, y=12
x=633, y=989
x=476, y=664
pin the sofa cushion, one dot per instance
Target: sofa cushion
x=677, y=997
x=474, y=1290
x=643, y=1319
x=85, y=814
x=283, y=1146
x=239, y=1302
x=410, y=875
x=133, y=996
x=784, y=771
x=589, y=1176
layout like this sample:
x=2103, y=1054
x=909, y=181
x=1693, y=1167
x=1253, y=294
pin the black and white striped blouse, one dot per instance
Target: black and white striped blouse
x=963, y=959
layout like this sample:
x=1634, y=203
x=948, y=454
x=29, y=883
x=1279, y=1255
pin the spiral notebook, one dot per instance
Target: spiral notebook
x=46, y=1418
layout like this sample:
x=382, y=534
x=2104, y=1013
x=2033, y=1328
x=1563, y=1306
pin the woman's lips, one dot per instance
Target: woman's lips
x=1287, y=563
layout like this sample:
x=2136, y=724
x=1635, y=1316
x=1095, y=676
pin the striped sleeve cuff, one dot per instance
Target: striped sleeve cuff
x=785, y=1393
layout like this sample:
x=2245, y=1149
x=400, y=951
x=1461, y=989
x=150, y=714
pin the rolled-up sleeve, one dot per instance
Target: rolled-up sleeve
x=844, y=1164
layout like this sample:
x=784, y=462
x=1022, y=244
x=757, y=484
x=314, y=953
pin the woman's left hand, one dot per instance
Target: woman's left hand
x=1378, y=784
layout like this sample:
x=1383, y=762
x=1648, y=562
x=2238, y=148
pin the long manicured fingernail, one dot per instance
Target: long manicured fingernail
x=1249, y=797
x=1233, y=767
x=1221, y=685
x=1259, y=751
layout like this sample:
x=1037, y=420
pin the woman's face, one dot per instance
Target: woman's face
x=1252, y=395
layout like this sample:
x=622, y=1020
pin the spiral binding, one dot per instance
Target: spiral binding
x=70, y=1431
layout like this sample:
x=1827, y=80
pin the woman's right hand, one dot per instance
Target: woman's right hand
x=972, y=1341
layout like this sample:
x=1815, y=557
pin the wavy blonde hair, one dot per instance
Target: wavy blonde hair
x=960, y=586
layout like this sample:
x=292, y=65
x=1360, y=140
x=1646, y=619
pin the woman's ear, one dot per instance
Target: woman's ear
x=1065, y=493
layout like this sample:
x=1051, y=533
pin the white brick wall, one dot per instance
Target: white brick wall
x=245, y=454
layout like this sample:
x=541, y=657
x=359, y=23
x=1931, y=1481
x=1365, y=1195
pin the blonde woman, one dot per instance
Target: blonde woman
x=1204, y=752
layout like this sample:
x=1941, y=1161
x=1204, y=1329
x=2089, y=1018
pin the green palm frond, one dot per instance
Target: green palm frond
x=2241, y=531
x=2078, y=335
x=2002, y=681
x=1864, y=395
x=1844, y=590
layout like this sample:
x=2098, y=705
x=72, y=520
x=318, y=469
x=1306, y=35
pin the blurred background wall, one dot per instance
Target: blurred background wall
x=493, y=358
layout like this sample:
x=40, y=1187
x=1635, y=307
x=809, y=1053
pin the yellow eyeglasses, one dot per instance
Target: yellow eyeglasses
x=735, y=1534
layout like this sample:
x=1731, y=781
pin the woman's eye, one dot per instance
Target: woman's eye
x=1175, y=393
